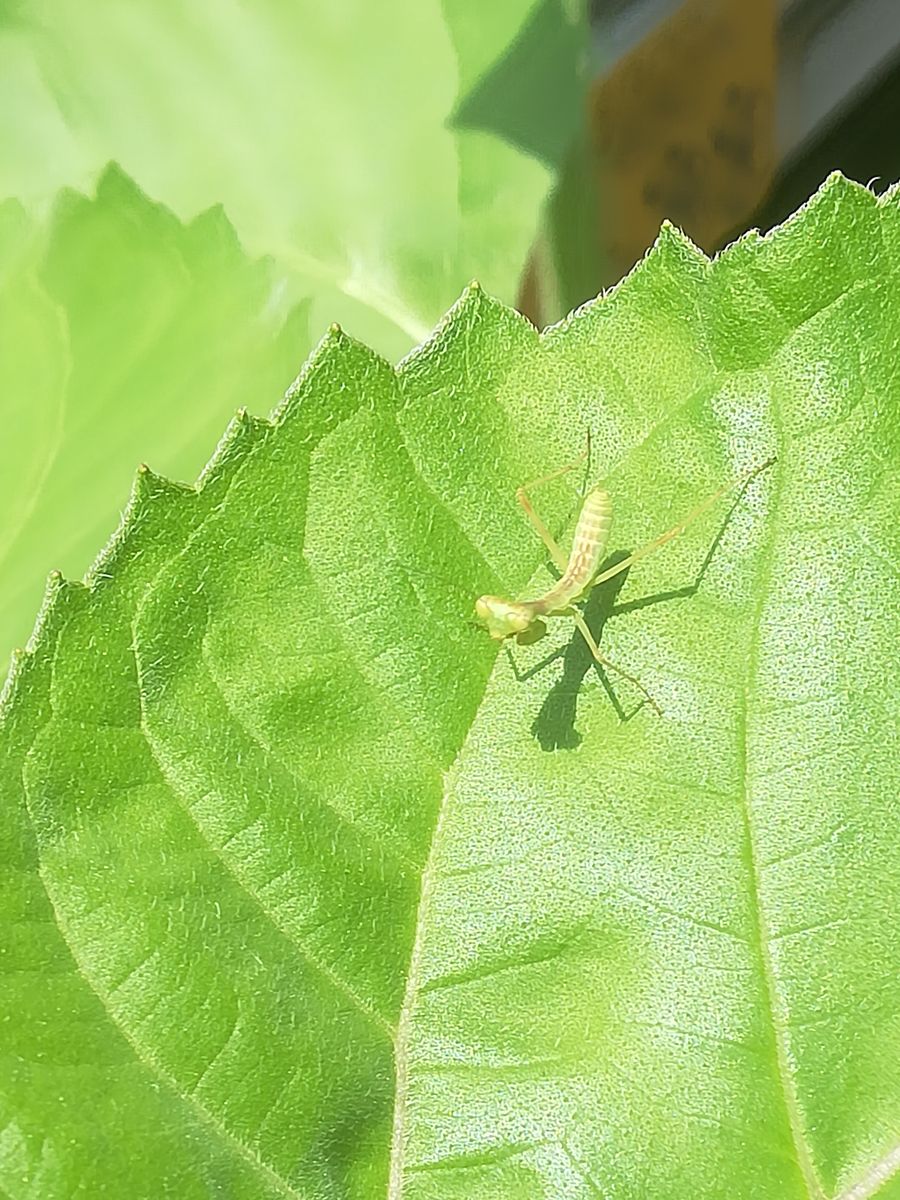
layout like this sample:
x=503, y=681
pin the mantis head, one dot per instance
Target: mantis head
x=507, y=618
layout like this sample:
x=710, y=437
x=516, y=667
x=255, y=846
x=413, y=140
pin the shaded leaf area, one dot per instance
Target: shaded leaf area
x=511, y=100
x=124, y=336
x=323, y=131
x=300, y=901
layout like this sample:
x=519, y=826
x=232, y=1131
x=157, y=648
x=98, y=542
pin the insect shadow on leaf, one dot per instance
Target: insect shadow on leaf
x=554, y=726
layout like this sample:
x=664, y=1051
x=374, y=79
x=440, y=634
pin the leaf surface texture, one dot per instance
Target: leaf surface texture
x=310, y=896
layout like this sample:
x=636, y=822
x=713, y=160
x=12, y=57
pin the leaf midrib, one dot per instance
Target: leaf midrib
x=793, y=1109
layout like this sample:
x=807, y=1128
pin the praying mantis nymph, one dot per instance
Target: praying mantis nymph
x=523, y=619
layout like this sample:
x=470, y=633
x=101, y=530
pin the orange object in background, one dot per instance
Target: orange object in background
x=683, y=128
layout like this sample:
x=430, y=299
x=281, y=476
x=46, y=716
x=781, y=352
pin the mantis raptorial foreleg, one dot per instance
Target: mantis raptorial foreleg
x=559, y=557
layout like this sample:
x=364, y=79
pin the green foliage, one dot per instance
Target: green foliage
x=124, y=336
x=308, y=896
x=384, y=153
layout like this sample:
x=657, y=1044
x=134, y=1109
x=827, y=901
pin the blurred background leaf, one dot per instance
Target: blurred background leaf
x=323, y=130
x=124, y=335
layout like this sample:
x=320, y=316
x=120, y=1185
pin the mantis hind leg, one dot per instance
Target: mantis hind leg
x=560, y=558
x=603, y=661
x=702, y=507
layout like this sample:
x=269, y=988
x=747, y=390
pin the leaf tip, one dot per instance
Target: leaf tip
x=835, y=178
x=671, y=238
x=56, y=588
x=51, y=615
x=335, y=339
x=475, y=313
x=837, y=187
x=149, y=483
x=241, y=432
x=248, y=423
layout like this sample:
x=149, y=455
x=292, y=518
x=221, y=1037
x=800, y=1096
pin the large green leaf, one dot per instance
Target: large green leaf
x=385, y=153
x=307, y=895
x=124, y=336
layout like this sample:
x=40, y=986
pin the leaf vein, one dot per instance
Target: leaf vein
x=792, y=1106
x=154, y=1068
x=340, y=984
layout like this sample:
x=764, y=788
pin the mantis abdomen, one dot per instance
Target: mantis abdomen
x=588, y=547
